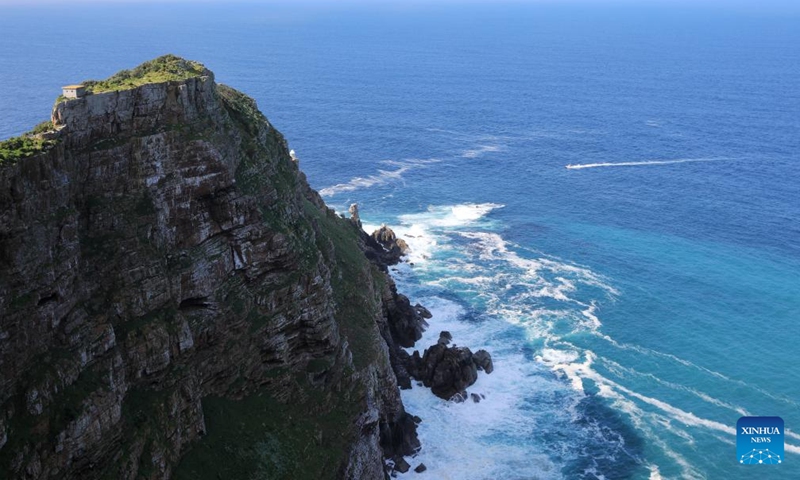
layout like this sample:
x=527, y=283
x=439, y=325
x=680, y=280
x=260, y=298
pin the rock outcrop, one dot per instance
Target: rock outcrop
x=355, y=219
x=382, y=247
x=177, y=302
x=395, y=247
x=449, y=370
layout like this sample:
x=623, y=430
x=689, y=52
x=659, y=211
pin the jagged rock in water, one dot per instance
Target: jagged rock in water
x=423, y=312
x=401, y=465
x=393, y=248
x=385, y=236
x=420, y=468
x=460, y=397
x=448, y=371
x=401, y=246
x=354, y=218
x=451, y=370
x=376, y=252
x=172, y=288
x=483, y=361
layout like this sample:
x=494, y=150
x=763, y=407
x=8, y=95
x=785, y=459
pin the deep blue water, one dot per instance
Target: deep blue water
x=634, y=312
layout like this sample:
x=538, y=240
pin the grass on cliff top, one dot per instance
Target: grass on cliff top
x=25, y=145
x=162, y=69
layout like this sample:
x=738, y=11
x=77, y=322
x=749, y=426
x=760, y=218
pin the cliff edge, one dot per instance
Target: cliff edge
x=177, y=302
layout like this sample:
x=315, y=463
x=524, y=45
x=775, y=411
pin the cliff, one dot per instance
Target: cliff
x=176, y=302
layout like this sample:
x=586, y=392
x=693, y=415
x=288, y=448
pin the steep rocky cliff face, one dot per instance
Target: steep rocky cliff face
x=176, y=302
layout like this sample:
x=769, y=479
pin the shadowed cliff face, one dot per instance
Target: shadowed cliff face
x=176, y=302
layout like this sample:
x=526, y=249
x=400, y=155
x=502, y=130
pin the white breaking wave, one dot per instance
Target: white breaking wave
x=494, y=247
x=496, y=438
x=622, y=371
x=525, y=299
x=383, y=177
x=447, y=216
x=648, y=162
x=460, y=440
x=648, y=351
x=576, y=372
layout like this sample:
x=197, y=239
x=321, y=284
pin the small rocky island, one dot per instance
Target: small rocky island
x=177, y=302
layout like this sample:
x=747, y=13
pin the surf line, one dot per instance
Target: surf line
x=648, y=162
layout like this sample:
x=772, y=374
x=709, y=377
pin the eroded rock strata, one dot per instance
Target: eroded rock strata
x=177, y=302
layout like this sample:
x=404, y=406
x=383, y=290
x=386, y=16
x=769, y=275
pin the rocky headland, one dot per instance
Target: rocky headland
x=177, y=302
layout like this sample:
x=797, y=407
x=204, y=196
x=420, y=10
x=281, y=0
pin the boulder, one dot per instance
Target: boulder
x=392, y=247
x=422, y=311
x=460, y=397
x=448, y=370
x=401, y=245
x=483, y=360
x=382, y=247
x=400, y=465
x=420, y=468
x=384, y=236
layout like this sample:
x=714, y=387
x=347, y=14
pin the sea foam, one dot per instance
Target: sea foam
x=529, y=309
x=489, y=296
x=382, y=177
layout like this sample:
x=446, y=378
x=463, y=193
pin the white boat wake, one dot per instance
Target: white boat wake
x=648, y=162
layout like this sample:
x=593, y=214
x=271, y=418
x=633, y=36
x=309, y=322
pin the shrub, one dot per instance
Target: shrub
x=27, y=144
x=162, y=69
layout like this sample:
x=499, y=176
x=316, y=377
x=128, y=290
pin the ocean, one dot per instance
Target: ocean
x=636, y=304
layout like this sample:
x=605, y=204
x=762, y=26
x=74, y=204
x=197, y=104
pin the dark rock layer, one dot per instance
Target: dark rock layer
x=382, y=247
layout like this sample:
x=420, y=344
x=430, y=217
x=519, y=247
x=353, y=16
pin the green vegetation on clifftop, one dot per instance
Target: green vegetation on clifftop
x=25, y=145
x=162, y=69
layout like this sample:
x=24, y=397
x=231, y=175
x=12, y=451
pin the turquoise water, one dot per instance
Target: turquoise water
x=634, y=312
